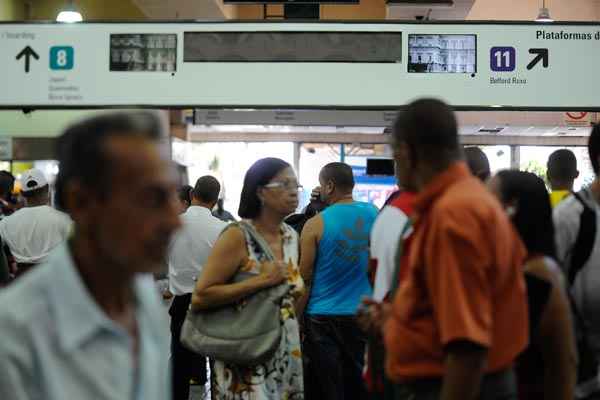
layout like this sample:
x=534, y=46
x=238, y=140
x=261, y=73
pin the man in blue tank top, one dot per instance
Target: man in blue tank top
x=334, y=261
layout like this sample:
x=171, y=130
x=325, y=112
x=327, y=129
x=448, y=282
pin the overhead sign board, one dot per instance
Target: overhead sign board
x=294, y=117
x=300, y=65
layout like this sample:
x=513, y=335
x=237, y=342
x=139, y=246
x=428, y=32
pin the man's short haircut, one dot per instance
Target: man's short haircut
x=82, y=155
x=478, y=162
x=340, y=174
x=36, y=193
x=207, y=189
x=7, y=184
x=562, y=165
x=184, y=193
x=594, y=147
x=428, y=126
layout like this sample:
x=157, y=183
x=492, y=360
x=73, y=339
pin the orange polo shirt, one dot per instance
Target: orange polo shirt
x=465, y=281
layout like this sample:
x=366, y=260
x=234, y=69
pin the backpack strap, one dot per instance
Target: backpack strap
x=586, y=238
x=582, y=250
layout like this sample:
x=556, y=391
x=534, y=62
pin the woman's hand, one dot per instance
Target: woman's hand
x=274, y=272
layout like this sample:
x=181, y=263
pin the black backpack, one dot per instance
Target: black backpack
x=582, y=250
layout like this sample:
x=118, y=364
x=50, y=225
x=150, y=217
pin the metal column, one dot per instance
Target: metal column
x=297, y=147
x=515, y=157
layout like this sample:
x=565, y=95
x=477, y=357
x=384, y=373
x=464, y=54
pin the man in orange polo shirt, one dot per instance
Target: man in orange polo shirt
x=459, y=319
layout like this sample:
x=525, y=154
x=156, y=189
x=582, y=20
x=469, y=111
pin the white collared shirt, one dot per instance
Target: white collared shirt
x=191, y=247
x=57, y=343
x=32, y=233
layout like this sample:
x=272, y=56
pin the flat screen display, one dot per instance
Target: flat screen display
x=442, y=54
x=143, y=52
x=340, y=47
x=380, y=167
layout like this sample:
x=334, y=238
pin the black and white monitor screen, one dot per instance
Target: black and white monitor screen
x=143, y=52
x=442, y=54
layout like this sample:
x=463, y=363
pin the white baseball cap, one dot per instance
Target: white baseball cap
x=33, y=179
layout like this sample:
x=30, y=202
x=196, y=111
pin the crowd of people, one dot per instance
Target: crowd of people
x=466, y=285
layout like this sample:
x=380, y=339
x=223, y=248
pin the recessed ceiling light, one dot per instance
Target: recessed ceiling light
x=544, y=14
x=69, y=14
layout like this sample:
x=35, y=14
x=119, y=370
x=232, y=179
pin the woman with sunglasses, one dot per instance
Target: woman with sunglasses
x=269, y=195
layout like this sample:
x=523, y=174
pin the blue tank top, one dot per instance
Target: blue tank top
x=340, y=275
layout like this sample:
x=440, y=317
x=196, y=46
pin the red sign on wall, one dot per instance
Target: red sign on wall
x=578, y=118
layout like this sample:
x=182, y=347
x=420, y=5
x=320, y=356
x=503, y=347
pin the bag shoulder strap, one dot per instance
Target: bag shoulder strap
x=253, y=234
x=586, y=238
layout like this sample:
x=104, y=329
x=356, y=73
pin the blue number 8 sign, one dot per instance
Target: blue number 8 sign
x=61, y=57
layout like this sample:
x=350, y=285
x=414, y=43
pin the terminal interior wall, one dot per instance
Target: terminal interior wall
x=229, y=162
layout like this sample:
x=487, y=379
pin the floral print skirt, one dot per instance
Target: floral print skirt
x=280, y=378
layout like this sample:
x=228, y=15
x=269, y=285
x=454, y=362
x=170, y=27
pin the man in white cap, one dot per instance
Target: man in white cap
x=34, y=231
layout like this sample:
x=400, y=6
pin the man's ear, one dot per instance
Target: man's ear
x=77, y=199
x=330, y=187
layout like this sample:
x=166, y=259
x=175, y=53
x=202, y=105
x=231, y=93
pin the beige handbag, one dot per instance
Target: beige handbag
x=244, y=333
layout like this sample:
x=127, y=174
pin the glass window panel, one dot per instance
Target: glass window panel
x=535, y=159
x=372, y=189
x=229, y=162
x=313, y=157
x=499, y=157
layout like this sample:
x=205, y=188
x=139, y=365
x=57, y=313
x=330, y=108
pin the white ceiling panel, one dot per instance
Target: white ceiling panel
x=181, y=9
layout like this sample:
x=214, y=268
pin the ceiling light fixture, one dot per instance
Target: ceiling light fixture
x=69, y=14
x=544, y=14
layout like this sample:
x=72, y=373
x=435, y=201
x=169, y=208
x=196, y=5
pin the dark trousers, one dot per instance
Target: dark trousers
x=376, y=349
x=185, y=363
x=335, y=348
x=496, y=386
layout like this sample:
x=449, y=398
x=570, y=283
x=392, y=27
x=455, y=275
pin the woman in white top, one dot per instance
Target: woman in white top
x=269, y=195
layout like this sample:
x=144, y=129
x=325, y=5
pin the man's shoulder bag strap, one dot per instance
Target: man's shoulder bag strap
x=586, y=238
x=582, y=249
